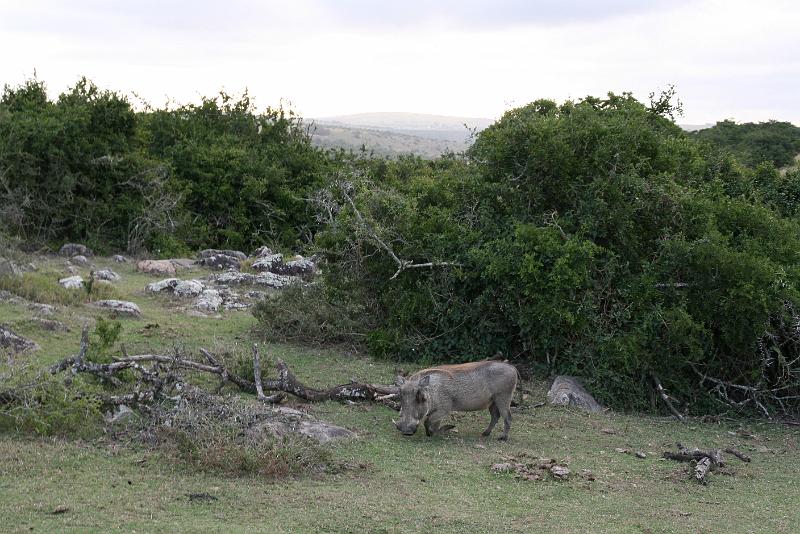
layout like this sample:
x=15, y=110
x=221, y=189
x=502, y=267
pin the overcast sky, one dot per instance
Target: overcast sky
x=727, y=59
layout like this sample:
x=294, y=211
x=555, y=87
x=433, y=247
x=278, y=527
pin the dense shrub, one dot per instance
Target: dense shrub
x=592, y=238
x=773, y=141
x=87, y=167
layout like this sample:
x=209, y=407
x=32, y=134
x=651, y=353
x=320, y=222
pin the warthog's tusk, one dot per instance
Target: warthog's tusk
x=395, y=422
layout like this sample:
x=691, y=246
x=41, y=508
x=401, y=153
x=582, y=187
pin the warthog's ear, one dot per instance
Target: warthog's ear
x=399, y=380
x=425, y=382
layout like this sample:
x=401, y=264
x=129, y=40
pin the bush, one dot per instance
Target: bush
x=593, y=238
x=312, y=314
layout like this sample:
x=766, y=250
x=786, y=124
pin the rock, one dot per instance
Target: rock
x=106, y=274
x=120, y=258
x=8, y=267
x=42, y=309
x=221, y=262
x=209, y=300
x=214, y=252
x=256, y=295
x=156, y=267
x=268, y=262
x=323, y=432
x=15, y=343
x=261, y=252
x=185, y=263
x=72, y=282
x=167, y=284
x=559, y=472
x=80, y=260
x=71, y=269
x=640, y=454
x=74, y=249
x=505, y=467
x=299, y=266
x=120, y=414
x=317, y=430
x=119, y=307
x=568, y=391
x=188, y=288
x=273, y=280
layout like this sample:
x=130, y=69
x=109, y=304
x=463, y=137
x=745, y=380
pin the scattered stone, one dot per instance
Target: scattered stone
x=119, y=307
x=156, y=267
x=273, y=280
x=80, y=260
x=15, y=343
x=588, y=475
x=71, y=269
x=608, y=431
x=317, y=430
x=74, y=249
x=267, y=262
x=261, y=252
x=168, y=284
x=209, y=300
x=106, y=274
x=214, y=252
x=201, y=497
x=640, y=454
x=60, y=509
x=42, y=309
x=8, y=267
x=559, y=472
x=568, y=391
x=188, y=288
x=504, y=467
x=72, y=282
x=299, y=266
x=120, y=258
x=221, y=262
x=622, y=451
x=256, y=295
x=185, y=263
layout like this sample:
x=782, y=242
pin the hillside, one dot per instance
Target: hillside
x=394, y=133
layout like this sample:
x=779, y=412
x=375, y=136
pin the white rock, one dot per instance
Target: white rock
x=120, y=258
x=209, y=300
x=189, y=288
x=106, y=274
x=267, y=262
x=119, y=307
x=79, y=260
x=167, y=284
x=72, y=282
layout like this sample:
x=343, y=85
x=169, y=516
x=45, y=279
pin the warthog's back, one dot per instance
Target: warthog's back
x=472, y=386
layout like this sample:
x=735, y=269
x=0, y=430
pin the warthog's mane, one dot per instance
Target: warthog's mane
x=452, y=369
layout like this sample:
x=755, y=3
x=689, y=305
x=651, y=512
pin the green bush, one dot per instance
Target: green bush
x=594, y=238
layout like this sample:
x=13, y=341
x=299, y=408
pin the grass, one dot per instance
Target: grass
x=391, y=483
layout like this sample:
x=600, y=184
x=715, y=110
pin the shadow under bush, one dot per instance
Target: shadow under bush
x=316, y=315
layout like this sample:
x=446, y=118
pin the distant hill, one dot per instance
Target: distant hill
x=774, y=141
x=395, y=133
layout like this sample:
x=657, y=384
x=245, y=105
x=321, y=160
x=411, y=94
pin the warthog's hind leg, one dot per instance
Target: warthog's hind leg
x=504, y=407
x=495, y=416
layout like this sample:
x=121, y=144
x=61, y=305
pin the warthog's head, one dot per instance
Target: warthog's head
x=413, y=404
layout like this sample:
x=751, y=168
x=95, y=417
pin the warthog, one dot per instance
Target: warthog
x=429, y=395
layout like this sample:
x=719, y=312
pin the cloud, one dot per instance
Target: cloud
x=480, y=14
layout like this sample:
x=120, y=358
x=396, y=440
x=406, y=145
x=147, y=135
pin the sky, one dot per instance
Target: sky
x=727, y=59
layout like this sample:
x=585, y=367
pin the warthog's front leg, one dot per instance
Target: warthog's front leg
x=433, y=421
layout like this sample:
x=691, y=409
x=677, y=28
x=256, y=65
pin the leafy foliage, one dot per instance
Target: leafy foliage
x=216, y=174
x=775, y=142
x=593, y=238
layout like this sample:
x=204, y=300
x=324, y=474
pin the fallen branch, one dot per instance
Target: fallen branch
x=663, y=394
x=704, y=461
x=275, y=399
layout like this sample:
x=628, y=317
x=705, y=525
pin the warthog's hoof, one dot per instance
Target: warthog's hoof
x=486, y=433
x=504, y=437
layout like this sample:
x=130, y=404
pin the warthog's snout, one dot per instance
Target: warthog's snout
x=407, y=430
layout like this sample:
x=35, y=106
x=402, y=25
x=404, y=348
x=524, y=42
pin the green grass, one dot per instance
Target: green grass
x=391, y=483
